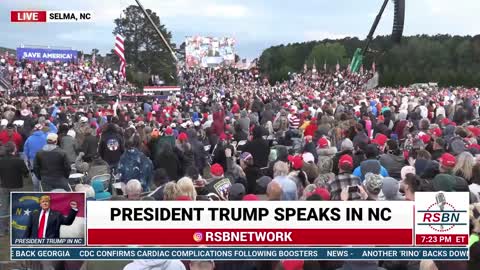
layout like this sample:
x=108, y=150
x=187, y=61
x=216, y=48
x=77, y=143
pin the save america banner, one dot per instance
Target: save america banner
x=43, y=55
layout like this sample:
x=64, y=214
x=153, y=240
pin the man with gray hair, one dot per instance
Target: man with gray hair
x=280, y=168
x=134, y=189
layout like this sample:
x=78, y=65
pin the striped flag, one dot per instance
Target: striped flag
x=119, y=51
x=337, y=67
x=93, y=58
x=374, y=68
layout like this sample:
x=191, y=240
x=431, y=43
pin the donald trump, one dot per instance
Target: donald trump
x=46, y=223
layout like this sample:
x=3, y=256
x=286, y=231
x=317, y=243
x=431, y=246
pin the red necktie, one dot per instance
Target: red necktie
x=41, y=226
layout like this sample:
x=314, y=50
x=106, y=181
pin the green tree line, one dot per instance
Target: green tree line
x=448, y=60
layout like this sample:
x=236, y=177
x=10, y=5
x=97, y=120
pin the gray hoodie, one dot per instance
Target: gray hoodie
x=68, y=145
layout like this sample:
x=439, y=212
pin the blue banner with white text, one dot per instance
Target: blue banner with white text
x=44, y=55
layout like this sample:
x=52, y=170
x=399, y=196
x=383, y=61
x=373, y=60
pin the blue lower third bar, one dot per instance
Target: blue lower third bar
x=240, y=253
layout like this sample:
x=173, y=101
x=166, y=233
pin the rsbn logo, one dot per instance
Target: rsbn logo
x=441, y=216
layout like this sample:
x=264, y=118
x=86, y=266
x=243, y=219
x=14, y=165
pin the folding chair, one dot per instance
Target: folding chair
x=75, y=179
x=105, y=178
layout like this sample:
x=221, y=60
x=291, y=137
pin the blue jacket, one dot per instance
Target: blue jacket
x=34, y=143
x=134, y=164
x=372, y=166
x=53, y=128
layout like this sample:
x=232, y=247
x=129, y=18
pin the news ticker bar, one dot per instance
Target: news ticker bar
x=239, y=253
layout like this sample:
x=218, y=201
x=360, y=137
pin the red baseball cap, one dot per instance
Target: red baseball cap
x=346, y=159
x=182, y=137
x=445, y=121
x=474, y=146
x=437, y=132
x=380, y=139
x=323, y=142
x=474, y=130
x=223, y=137
x=425, y=138
x=297, y=162
x=322, y=192
x=168, y=131
x=250, y=197
x=216, y=170
x=447, y=160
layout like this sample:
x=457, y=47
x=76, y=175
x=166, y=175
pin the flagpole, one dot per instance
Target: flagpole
x=158, y=31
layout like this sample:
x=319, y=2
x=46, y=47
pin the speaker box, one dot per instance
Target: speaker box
x=398, y=20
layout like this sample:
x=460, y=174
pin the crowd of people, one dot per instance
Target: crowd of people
x=230, y=135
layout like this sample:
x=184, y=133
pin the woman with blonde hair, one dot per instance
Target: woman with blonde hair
x=185, y=187
x=464, y=166
x=170, y=191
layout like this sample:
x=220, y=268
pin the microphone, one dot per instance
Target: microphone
x=440, y=198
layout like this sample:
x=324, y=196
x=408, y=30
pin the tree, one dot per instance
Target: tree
x=331, y=53
x=145, y=51
x=448, y=60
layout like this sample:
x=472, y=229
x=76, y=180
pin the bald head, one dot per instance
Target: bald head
x=274, y=191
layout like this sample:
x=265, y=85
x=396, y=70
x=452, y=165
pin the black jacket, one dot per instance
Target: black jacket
x=12, y=171
x=89, y=147
x=55, y=220
x=51, y=161
x=168, y=160
x=260, y=151
x=199, y=153
x=252, y=173
x=111, y=147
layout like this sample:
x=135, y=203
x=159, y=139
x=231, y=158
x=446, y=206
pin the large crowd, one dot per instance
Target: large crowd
x=230, y=135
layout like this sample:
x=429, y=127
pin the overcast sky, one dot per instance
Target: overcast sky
x=256, y=24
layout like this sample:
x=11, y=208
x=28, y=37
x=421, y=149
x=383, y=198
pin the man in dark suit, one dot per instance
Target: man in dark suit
x=46, y=223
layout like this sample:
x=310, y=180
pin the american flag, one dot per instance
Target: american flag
x=119, y=51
